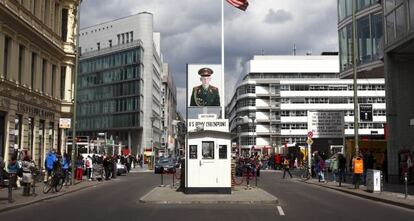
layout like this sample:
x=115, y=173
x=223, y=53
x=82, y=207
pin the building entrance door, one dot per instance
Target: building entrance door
x=2, y=134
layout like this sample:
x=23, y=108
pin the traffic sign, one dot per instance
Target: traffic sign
x=310, y=134
x=309, y=141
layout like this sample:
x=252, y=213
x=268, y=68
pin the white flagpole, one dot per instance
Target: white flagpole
x=222, y=61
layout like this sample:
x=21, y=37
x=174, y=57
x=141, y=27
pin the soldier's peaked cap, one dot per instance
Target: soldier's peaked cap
x=205, y=72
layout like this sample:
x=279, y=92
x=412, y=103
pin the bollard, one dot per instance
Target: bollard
x=162, y=178
x=10, y=188
x=406, y=184
x=382, y=182
x=173, y=175
x=256, y=179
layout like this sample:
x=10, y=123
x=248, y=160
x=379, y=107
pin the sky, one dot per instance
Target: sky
x=191, y=31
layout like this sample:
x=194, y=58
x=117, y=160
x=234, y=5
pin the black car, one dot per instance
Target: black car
x=165, y=165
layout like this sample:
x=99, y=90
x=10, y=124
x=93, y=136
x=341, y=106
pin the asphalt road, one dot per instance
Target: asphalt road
x=119, y=201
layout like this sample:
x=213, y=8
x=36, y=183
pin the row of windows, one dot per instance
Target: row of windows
x=398, y=13
x=246, y=89
x=361, y=87
x=369, y=38
x=294, y=126
x=110, y=61
x=110, y=91
x=109, y=76
x=109, y=106
x=45, y=76
x=109, y=121
x=292, y=75
x=345, y=7
x=334, y=100
x=246, y=103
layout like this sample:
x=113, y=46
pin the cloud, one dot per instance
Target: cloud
x=280, y=16
x=191, y=31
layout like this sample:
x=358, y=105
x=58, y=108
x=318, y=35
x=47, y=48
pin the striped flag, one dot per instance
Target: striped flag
x=240, y=4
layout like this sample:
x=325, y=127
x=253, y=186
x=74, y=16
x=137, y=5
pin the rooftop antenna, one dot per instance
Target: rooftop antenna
x=294, y=49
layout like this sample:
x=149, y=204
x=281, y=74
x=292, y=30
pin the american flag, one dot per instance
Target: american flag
x=240, y=4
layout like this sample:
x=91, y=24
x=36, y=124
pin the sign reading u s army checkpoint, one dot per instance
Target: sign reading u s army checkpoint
x=326, y=124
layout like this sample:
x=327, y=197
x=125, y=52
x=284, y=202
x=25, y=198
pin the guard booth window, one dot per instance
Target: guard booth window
x=208, y=150
x=193, y=151
x=222, y=151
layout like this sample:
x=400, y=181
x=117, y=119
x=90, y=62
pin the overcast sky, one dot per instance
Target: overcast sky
x=191, y=31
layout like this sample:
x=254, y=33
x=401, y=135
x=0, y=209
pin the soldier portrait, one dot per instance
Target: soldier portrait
x=205, y=94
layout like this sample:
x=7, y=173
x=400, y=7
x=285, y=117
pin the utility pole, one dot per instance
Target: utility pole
x=354, y=64
x=75, y=86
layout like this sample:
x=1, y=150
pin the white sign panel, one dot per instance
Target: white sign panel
x=208, y=124
x=65, y=123
x=326, y=124
x=205, y=86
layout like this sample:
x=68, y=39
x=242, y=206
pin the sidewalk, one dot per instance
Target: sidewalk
x=392, y=193
x=19, y=200
x=241, y=195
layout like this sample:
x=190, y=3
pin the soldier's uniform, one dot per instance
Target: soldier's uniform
x=205, y=97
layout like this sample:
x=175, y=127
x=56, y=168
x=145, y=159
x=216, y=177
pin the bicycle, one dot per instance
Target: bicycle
x=247, y=174
x=55, y=182
x=306, y=172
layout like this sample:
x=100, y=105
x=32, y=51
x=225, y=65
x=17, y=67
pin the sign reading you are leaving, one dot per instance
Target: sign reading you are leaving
x=326, y=124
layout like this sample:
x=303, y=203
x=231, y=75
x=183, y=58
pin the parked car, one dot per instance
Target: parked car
x=165, y=165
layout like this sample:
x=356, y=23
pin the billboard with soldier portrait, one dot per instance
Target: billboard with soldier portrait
x=205, y=86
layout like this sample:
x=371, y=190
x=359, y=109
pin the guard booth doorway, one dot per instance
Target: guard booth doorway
x=208, y=163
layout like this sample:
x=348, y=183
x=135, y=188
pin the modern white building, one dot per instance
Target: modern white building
x=270, y=105
x=120, y=82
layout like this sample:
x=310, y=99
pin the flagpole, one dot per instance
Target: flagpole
x=222, y=59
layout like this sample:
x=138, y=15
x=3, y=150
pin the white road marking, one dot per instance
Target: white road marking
x=279, y=208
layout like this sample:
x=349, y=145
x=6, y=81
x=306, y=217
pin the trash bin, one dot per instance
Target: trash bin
x=373, y=181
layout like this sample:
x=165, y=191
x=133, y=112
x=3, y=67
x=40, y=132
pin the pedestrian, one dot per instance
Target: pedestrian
x=321, y=169
x=128, y=163
x=79, y=168
x=28, y=167
x=65, y=167
x=49, y=161
x=107, y=165
x=286, y=165
x=358, y=169
x=341, y=168
x=12, y=169
x=333, y=166
x=88, y=166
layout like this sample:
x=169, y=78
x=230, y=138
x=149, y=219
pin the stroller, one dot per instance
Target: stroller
x=98, y=172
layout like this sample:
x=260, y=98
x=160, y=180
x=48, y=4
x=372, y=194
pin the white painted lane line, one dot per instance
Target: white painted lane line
x=279, y=208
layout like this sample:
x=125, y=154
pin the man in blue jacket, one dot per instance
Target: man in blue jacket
x=49, y=161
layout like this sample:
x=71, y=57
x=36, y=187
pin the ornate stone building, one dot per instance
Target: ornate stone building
x=37, y=63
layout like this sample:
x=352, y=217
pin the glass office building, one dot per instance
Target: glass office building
x=109, y=90
x=369, y=38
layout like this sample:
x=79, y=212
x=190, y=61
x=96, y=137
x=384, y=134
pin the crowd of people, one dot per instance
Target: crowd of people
x=22, y=171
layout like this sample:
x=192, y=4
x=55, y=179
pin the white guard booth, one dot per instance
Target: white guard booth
x=208, y=157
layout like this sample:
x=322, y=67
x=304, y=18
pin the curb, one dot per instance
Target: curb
x=20, y=205
x=387, y=201
x=270, y=202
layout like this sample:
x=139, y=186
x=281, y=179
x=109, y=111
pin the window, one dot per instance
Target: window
x=207, y=150
x=64, y=29
x=345, y=47
x=21, y=63
x=193, y=152
x=44, y=69
x=376, y=34
x=364, y=40
x=6, y=59
x=33, y=70
x=53, y=80
x=41, y=142
x=400, y=21
x=46, y=12
x=30, y=126
x=18, y=130
x=98, y=46
x=390, y=23
x=222, y=151
x=62, y=82
x=51, y=134
x=132, y=35
x=110, y=43
x=411, y=13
